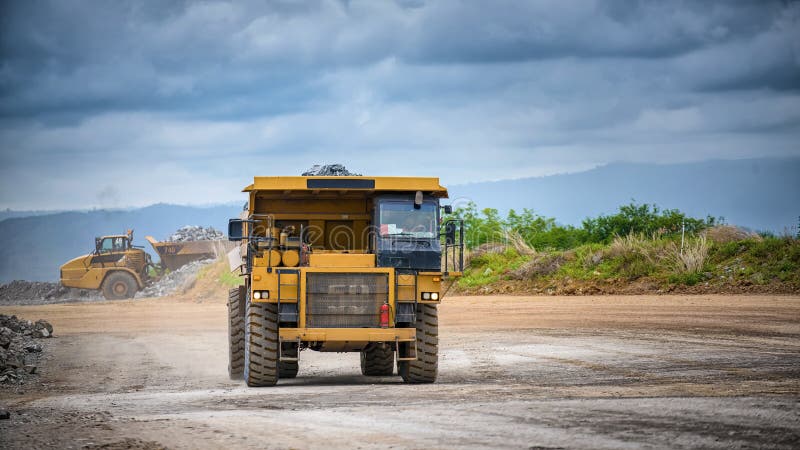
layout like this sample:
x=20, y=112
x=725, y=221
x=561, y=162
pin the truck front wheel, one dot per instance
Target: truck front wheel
x=119, y=285
x=261, y=344
x=425, y=368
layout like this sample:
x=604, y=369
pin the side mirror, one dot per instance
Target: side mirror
x=97, y=242
x=448, y=209
x=418, y=200
x=450, y=233
x=235, y=229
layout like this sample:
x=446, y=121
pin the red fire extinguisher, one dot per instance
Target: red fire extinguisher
x=385, y=315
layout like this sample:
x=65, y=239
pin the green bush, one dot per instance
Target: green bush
x=544, y=233
x=645, y=219
x=689, y=279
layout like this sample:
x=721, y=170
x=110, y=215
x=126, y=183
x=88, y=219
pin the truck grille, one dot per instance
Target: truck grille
x=345, y=300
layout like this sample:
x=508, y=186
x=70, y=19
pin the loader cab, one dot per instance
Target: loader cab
x=111, y=244
x=407, y=232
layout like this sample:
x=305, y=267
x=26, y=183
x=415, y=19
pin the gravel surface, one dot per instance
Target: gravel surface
x=608, y=372
x=20, y=292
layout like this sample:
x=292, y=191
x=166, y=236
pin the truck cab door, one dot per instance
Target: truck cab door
x=108, y=252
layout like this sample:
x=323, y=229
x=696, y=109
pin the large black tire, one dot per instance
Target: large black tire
x=377, y=360
x=288, y=369
x=236, y=332
x=261, y=344
x=425, y=368
x=119, y=285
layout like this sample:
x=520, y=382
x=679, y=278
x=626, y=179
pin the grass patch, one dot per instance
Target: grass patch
x=491, y=266
x=752, y=261
x=230, y=279
x=758, y=260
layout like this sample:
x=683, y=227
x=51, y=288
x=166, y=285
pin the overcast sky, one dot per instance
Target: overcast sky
x=112, y=104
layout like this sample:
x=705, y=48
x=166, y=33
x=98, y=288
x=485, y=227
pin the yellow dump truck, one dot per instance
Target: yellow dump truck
x=340, y=264
x=116, y=267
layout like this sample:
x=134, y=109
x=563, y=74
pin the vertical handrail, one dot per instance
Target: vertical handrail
x=456, y=258
x=252, y=219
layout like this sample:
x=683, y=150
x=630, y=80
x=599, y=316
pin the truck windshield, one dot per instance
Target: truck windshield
x=402, y=219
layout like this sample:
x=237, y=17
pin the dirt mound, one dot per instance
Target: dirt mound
x=211, y=284
x=541, y=264
x=727, y=233
x=25, y=292
x=19, y=351
x=190, y=233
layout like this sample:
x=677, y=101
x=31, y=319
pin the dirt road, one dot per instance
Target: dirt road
x=515, y=372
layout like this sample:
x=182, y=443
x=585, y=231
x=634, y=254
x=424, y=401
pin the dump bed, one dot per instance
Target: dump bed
x=176, y=254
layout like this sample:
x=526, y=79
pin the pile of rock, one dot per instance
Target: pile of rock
x=196, y=233
x=177, y=281
x=28, y=292
x=329, y=170
x=19, y=351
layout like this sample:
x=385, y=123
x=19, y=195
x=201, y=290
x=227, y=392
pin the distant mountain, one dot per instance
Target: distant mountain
x=8, y=213
x=33, y=248
x=761, y=194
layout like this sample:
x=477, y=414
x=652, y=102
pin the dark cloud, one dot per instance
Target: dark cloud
x=121, y=55
x=544, y=86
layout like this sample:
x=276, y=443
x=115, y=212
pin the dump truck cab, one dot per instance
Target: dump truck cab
x=341, y=264
x=116, y=267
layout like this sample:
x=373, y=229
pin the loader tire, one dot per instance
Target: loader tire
x=425, y=368
x=288, y=369
x=236, y=332
x=261, y=344
x=377, y=360
x=119, y=285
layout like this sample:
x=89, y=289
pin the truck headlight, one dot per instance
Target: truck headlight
x=426, y=295
x=434, y=296
x=256, y=295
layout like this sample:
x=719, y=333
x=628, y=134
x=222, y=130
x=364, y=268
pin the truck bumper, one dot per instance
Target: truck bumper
x=348, y=334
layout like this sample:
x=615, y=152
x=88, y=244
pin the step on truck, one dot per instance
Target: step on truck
x=341, y=264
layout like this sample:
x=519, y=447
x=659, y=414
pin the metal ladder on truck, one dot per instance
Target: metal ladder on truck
x=397, y=300
x=282, y=273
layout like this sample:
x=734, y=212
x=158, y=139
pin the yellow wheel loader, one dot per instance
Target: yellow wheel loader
x=116, y=266
x=341, y=264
